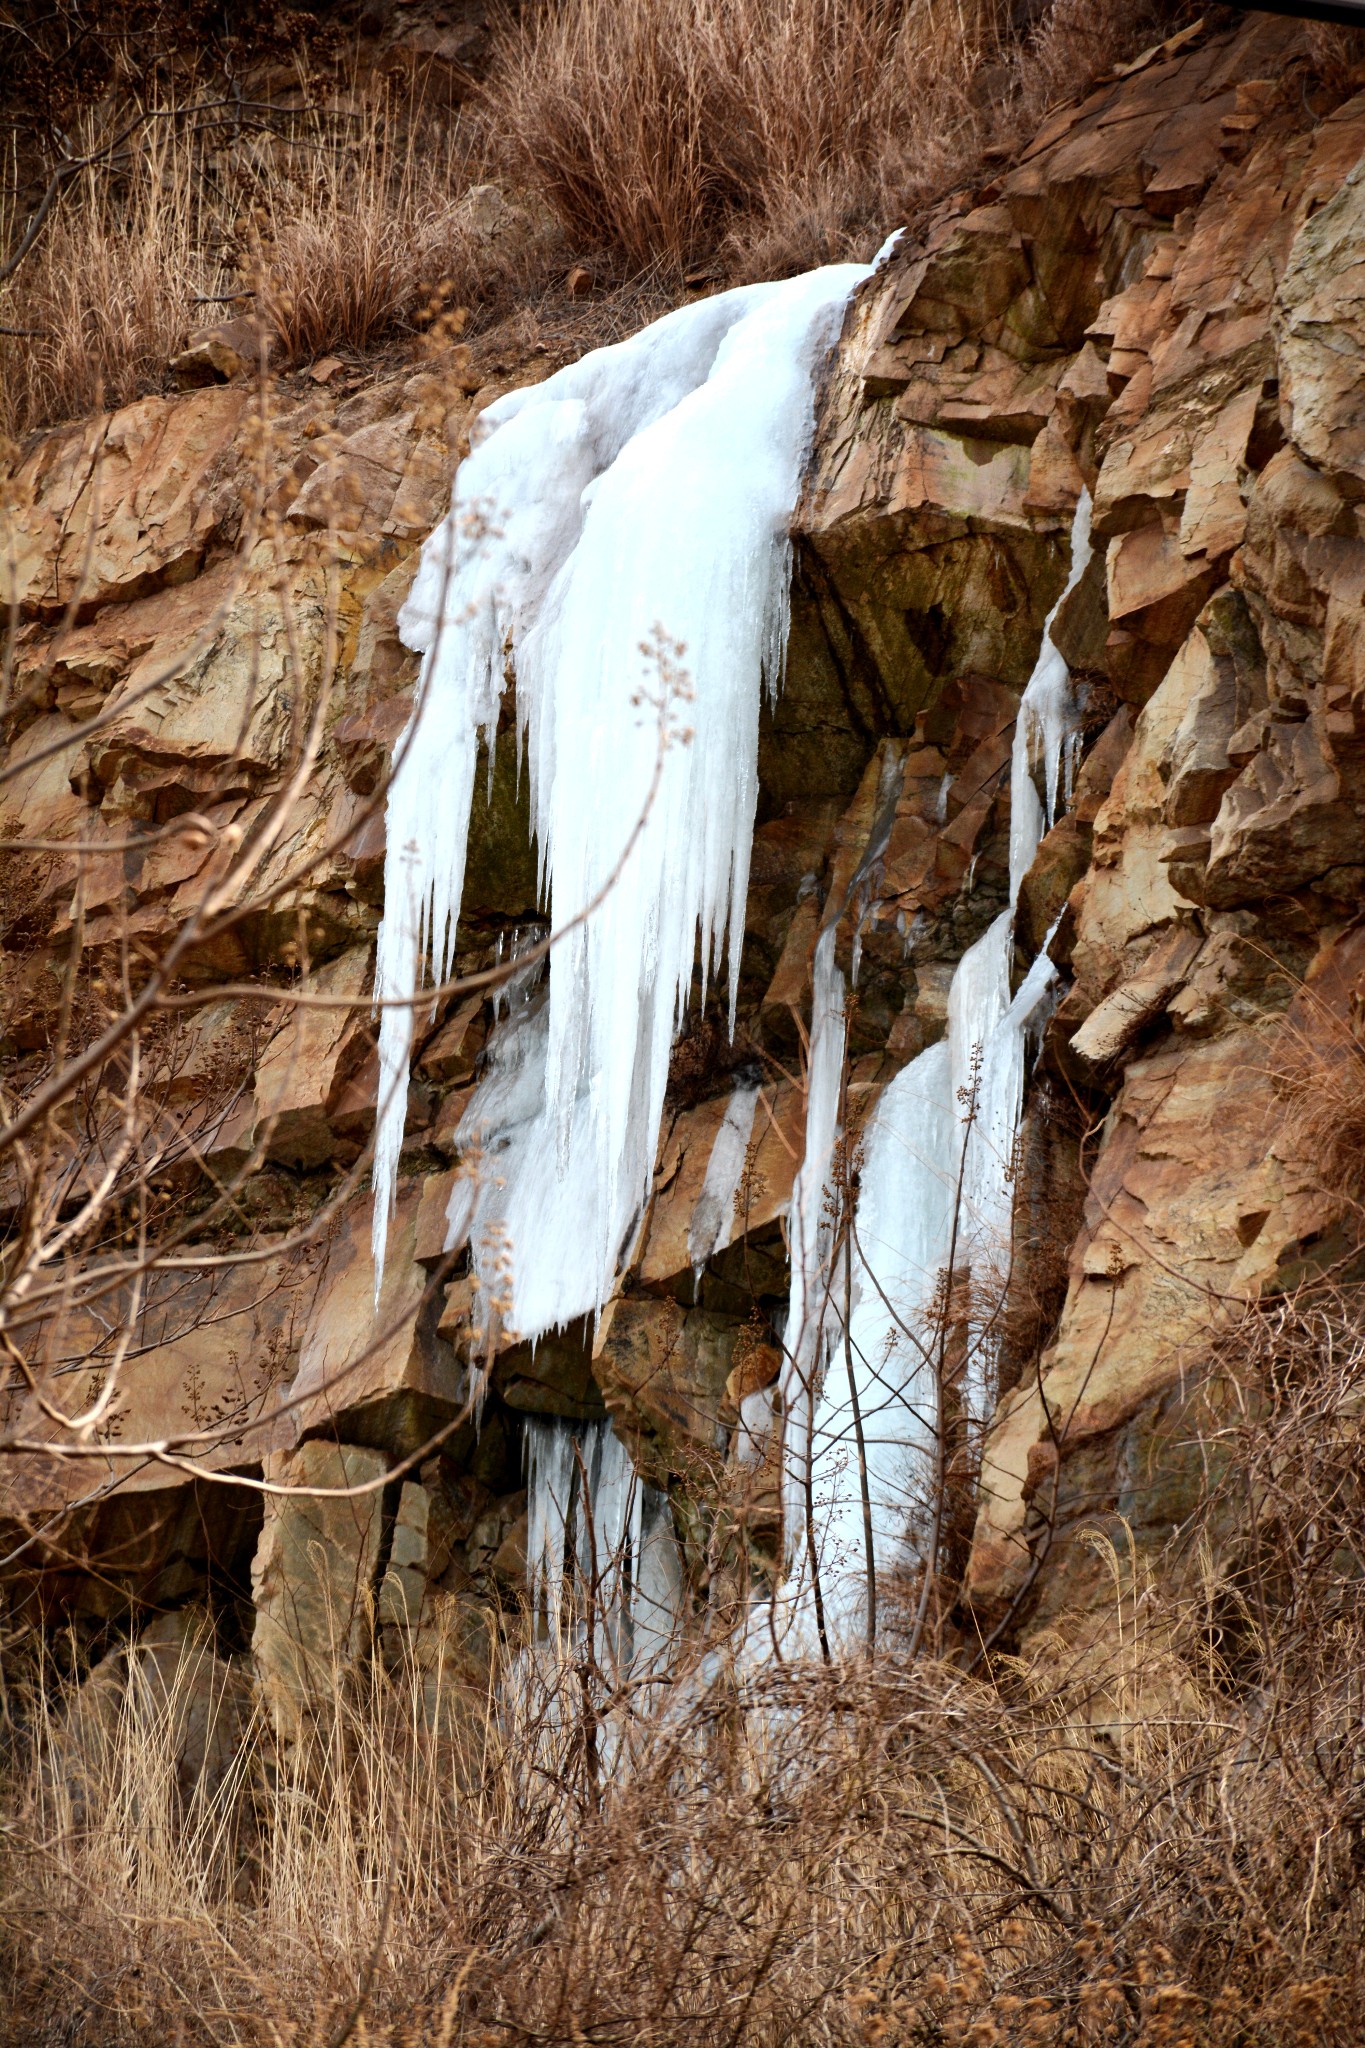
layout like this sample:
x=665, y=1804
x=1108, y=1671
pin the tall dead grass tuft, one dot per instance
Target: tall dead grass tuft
x=338, y=230
x=351, y=238
x=1285, y=1512
x=757, y=137
x=656, y=127
x=102, y=302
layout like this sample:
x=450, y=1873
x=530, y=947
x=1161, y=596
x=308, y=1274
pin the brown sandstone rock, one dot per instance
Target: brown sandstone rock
x=296, y=1073
x=776, y=1145
x=1320, y=310
x=1190, y=1210
x=217, y=354
x=1159, y=299
x=1127, y=896
x=1059, y=864
x=313, y=1575
x=376, y=1372
x=151, y=479
x=663, y=1371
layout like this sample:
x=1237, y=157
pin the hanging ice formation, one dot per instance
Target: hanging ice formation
x=639, y=498
x=600, y=1550
x=915, y=1150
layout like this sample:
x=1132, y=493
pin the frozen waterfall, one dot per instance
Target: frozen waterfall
x=620, y=533
x=882, y=1332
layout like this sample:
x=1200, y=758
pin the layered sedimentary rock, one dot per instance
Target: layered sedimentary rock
x=1159, y=302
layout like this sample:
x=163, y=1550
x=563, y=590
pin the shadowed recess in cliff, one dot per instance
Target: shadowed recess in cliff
x=622, y=531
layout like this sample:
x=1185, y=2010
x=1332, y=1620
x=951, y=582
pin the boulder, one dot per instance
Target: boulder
x=217, y=354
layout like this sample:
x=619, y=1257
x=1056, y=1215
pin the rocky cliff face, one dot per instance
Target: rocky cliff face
x=1159, y=301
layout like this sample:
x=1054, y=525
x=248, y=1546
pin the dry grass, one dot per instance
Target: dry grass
x=656, y=127
x=1076, y=41
x=1338, y=56
x=340, y=233
x=104, y=299
x=1319, y=1073
x=1156, y=1846
x=756, y=137
x=365, y=233
x=780, y=133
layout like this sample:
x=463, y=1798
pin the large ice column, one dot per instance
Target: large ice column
x=935, y=1190
x=622, y=531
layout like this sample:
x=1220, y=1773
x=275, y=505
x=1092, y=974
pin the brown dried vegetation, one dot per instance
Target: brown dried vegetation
x=778, y=134
x=1156, y=1845
x=746, y=137
x=332, y=227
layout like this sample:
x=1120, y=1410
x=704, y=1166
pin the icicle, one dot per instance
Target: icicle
x=712, y=1222
x=619, y=1540
x=550, y=1483
x=1048, y=725
x=810, y=1232
x=640, y=497
x=750, y=1446
x=904, y=1219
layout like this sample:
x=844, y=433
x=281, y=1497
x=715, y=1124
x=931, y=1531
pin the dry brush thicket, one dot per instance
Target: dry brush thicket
x=747, y=137
x=1160, y=1849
